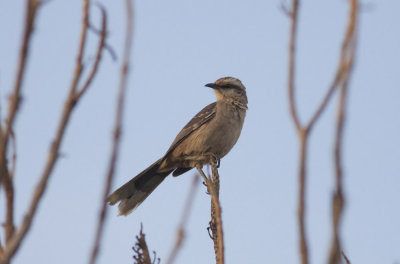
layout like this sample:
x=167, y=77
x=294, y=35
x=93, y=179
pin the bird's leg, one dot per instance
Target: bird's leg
x=213, y=159
x=215, y=176
x=200, y=170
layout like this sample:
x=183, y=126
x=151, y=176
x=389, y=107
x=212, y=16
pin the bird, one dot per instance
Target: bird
x=211, y=133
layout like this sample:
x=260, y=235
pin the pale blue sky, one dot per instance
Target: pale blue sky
x=178, y=47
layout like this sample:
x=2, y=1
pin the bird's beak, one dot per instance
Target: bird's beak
x=212, y=85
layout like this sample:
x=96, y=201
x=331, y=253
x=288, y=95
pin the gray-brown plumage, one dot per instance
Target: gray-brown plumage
x=211, y=133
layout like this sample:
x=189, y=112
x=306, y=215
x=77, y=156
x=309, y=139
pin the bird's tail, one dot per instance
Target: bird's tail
x=134, y=192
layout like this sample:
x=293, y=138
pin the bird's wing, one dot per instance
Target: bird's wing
x=202, y=117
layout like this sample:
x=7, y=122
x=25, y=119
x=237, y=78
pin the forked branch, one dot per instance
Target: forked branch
x=340, y=80
x=73, y=97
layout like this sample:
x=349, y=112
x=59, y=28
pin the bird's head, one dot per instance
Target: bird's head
x=229, y=88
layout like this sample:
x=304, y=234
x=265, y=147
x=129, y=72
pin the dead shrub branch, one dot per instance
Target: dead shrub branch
x=70, y=102
x=216, y=219
x=340, y=82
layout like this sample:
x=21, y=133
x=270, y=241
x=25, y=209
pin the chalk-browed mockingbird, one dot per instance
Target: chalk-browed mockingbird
x=210, y=134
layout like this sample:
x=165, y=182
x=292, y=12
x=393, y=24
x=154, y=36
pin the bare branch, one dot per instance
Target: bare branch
x=8, y=186
x=142, y=255
x=217, y=218
x=81, y=48
x=14, y=155
x=53, y=154
x=292, y=63
x=341, y=78
x=346, y=258
x=218, y=234
x=6, y=179
x=301, y=211
x=15, y=98
x=348, y=55
x=117, y=128
x=180, y=234
x=106, y=46
x=302, y=133
x=99, y=52
x=344, y=63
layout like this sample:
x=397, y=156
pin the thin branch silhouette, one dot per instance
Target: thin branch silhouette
x=117, y=128
x=303, y=131
x=338, y=200
x=216, y=219
x=6, y=179
x=73, y=97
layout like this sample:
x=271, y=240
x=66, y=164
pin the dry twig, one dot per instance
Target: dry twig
x=117, y=128
x=217, y=231
x=73, y=97
x=303, y=131
x=6, y=178
x=346, y=258
x=347, y=57
x=180, y=235
x=8, y=185
x=300, y=131
x=15, y=98
x=142, y=255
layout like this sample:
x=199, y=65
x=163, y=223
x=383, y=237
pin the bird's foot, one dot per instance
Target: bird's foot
x=205, y=184
x=214, y=159
x=210, y=232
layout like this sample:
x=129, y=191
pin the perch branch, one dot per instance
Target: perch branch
x=218, y=235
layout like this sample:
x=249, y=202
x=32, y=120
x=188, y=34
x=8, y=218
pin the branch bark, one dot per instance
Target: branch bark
x=216, y=219
x=338, y=199
x=70, y=103
x=303, y=131
x=6, y=178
